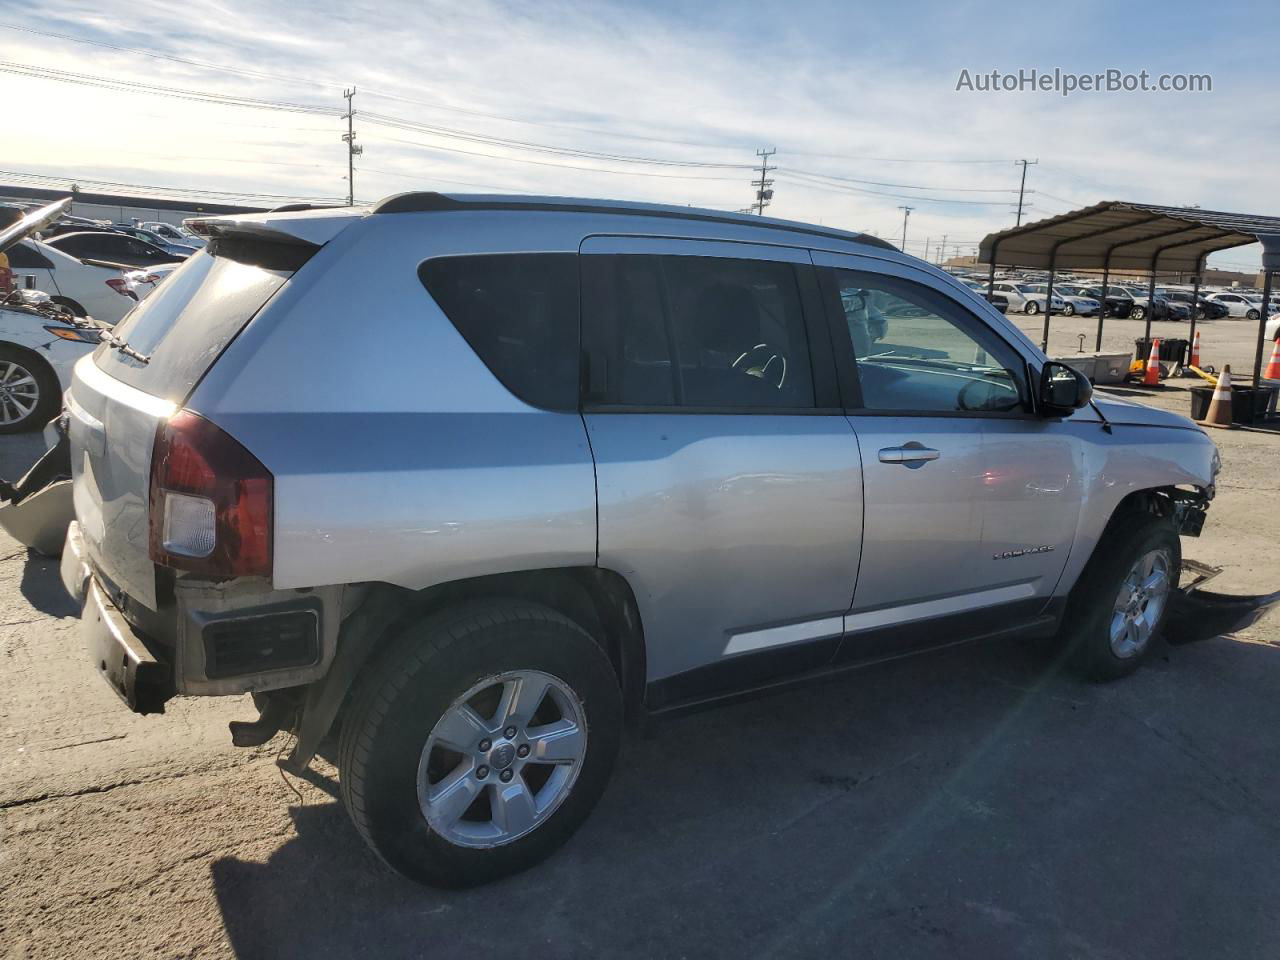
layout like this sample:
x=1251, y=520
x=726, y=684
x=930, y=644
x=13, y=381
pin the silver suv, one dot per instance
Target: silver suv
x=459, y=487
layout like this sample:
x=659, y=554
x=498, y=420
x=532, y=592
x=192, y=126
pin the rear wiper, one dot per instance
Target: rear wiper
x=112, y=340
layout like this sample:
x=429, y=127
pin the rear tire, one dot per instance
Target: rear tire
x=1031, y=308
x=30, y=394
x=431, y=687
x=1111, y=627
x=1069, y=310
x=1138, y=313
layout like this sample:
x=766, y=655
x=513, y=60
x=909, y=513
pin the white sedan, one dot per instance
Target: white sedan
x=1074, y=299
x=1239, y=304
x=81, y=287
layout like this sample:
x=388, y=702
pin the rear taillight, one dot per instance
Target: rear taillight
x=210, y=501
x=121, y=286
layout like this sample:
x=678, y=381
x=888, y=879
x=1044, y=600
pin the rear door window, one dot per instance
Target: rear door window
x=696, y=332
x=519, y=313
x=23, y=256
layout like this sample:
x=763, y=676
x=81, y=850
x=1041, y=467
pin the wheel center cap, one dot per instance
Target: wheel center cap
x=502, y=756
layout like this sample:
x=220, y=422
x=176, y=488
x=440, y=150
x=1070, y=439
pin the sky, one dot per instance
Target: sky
x=859, y=100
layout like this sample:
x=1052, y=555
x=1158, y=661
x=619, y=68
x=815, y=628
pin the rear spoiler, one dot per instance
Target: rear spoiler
x=310, y=228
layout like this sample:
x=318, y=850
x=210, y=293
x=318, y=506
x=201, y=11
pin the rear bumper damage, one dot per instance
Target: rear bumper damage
x=136, y=670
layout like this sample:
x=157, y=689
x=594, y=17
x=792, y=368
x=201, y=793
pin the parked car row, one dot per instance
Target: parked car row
x=66, y=291
x=1073, y=298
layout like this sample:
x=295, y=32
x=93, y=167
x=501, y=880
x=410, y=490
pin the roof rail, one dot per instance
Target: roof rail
x=299, y=207
x=433, y=202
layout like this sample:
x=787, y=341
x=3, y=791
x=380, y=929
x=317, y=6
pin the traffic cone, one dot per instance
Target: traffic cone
x=1152, y=376
x=1219, y=412
x=1273, y=367
x=1195, y=351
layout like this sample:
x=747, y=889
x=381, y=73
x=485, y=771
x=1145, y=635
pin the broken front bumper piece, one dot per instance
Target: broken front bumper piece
x=39, y=508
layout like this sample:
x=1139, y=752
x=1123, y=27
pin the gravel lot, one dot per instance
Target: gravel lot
x=975, y=803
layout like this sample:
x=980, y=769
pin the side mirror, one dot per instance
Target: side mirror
x=1063, y=389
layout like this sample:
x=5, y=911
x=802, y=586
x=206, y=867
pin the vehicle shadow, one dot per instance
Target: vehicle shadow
x=42, y=586
x=976, y=802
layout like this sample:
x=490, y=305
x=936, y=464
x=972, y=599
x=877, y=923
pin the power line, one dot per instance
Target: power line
x=184, y=192
x=845, y=156
x=803, y=181
x=548, y=163
x=368, y=91
x=132, y=86
x=905, y=186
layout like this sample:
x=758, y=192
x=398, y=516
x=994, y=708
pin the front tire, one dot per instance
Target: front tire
x=1069, y=310
x=479, y=742
x=29, y=391
x=1032, y=308
x=1138, y=313
x=71, y=305
x=1119, y=606
x=1252, y=315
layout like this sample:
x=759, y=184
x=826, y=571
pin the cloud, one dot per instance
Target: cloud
x=820, y=81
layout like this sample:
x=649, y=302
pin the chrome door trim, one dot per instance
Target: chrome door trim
x=941, y=607
x=749, y=640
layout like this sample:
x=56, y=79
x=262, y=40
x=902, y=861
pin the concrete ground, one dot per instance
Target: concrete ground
x=976, y=803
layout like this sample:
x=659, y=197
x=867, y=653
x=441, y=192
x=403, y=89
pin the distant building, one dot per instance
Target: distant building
x=120, y=208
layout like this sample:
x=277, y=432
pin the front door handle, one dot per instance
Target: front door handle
x=910, y=454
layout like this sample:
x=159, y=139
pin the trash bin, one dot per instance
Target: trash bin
x=1171, y=351
x=1248, y=405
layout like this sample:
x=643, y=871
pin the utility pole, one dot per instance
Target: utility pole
x=764, y=186
x=942, y=250
x=1023, y=188
x=926, y=248
x=353, y=149
x=906, y=213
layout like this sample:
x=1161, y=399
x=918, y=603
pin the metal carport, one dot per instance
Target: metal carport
x=1116, y=235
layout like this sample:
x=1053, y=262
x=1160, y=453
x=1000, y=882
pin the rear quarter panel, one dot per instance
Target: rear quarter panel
x=397, y=455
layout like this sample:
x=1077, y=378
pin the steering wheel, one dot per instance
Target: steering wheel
x=761, y=371
x=990, y=401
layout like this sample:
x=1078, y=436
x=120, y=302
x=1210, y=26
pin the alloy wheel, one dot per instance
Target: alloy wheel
x=502, y=758
x=1140, y=603
x=19, y=393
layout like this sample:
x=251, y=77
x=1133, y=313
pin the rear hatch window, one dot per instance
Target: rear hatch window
x=184, y=326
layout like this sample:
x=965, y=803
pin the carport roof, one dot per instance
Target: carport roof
x=1131, y=236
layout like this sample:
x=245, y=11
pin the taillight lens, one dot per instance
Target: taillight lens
x=211, y=501
x=121, y=286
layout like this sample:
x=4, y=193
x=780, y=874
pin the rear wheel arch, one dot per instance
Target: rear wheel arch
x=72, y=305
x=599, y=601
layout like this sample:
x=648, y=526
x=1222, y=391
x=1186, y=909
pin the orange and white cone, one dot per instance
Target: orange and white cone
x=1219, y=412
x=1273, y=367
x=1195, y=350
x=1151, y=378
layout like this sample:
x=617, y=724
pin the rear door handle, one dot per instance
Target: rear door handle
x=909, y=454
